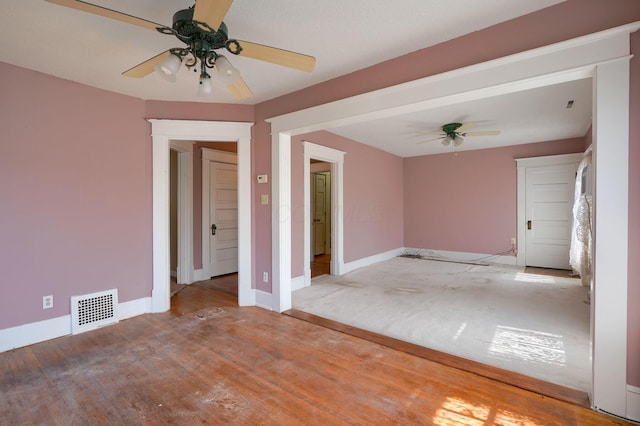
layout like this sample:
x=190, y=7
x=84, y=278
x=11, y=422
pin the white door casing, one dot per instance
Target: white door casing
x=186, y=273
x=165, y=132
x=336, y=159
x=219, y=210
x=545, y=202
x=604, y=56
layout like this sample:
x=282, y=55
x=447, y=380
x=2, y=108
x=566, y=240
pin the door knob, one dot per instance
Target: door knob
x=213, y=229
x=528, y=224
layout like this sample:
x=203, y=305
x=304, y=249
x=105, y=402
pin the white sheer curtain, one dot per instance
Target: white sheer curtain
x=581, y=236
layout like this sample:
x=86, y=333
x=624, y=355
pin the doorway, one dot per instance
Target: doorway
x=321, y=218
x=183, y=133
x=332, y=162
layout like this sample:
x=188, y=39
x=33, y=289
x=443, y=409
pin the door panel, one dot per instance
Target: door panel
x=549, y=203
x=223, y=213
x=319, y=213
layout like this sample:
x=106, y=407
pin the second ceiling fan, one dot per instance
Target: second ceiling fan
x=456, y=132
x=202, y=30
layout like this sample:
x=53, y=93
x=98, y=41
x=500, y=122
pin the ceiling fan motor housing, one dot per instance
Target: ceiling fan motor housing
x=188, y=31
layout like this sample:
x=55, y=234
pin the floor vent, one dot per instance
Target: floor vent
x=92, y=311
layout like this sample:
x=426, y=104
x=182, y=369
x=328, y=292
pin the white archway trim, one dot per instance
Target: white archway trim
x=336, y=158
x=565, y=61
x=164, y=131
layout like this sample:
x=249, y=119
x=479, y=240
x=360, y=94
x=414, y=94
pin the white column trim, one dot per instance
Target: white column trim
x=611, y=211
x=281, y=221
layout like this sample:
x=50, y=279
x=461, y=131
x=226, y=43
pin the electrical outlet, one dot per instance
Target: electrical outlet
x=513, y=241
x=265, y=277
x=47, y=302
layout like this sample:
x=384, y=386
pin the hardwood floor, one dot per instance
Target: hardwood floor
x=210, y=361
x=321, y=265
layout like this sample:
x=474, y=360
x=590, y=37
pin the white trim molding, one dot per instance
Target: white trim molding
x=164, y=131
x=185, y=273
x=336, y=158
x=370, y=260
x=602, y=56
x=35, y=332
x=463, y=257
x=633, y=403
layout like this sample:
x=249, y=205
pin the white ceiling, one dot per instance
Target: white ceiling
x=343, y=36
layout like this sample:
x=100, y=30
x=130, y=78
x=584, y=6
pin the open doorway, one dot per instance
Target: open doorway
x=181, y=134
x=320, y=200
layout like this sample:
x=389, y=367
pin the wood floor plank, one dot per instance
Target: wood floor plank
x=551, y=390
x=210, y=361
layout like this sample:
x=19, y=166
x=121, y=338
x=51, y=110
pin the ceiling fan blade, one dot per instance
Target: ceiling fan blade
x=107, y=13
x=431, y=140
x=145, y=68
x=239, y=89
x=277, y=56
x=211, y=12
x=466, y=126
x=486, y=133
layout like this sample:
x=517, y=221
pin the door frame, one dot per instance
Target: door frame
x=336, y=159
x=162, y=133
x=604, y=57
x=185, y=272
x=522, y=165
x=209, y=155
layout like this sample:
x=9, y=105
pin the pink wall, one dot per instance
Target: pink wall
x=372, y=198
x=633, y=312
x=468, y=202
x=75, y=185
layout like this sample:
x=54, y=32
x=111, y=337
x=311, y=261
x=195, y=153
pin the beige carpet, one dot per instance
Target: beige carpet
x=533, y=324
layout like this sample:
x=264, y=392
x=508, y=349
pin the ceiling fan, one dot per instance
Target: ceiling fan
x=201, y=29
x=456, y=132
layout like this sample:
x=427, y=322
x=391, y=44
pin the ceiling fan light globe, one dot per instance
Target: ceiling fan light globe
x=226, y=72
x=168, y=68
x=205, y=88
x=446, y=141
x=457, y=141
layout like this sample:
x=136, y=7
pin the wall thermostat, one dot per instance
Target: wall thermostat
x=263, y=179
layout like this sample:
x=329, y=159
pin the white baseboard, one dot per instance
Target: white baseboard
x=459, y=256
x=298, y=283
x=134, y=308
x=264, y=300
x=28, y=334
x=367, y=261
x=198, y=275
x=633, y=403
x=35, y=332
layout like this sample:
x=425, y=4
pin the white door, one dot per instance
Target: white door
x=549, y=204
x=223, y=218
x=319, y=213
